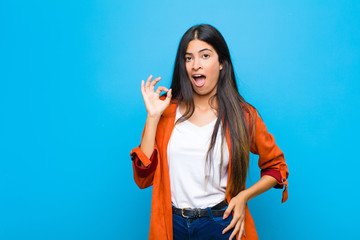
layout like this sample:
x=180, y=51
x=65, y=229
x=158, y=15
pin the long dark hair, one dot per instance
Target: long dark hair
x=232, y=108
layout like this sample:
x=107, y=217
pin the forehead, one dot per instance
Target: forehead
x=197, y=45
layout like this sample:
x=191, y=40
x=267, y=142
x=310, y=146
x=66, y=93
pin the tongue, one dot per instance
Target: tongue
x=199, y=82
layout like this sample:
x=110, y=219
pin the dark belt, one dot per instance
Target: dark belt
x=198, y=212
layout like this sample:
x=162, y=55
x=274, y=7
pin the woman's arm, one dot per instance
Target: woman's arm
x=145, y=156
x=265, y=183
x=271, y=160
x=154, y=107
x=148, y=140
x=238, y=203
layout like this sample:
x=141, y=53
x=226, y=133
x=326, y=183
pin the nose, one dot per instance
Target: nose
x=196, y=64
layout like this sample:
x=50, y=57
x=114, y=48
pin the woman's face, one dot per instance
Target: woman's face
x=203, y=67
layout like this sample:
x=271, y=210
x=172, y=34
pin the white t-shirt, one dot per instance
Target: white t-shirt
x=186, y=154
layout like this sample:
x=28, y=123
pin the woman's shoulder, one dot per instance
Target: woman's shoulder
x=249, y=110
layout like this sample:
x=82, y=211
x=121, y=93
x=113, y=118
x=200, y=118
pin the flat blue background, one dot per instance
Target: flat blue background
x=71, y=110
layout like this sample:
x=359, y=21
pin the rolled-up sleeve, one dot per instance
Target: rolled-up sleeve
x=273, y=173
x=143, y=167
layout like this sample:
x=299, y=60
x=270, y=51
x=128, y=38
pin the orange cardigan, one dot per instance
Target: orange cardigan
x=270, y=157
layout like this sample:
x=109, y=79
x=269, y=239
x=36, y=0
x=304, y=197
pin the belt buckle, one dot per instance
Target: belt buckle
x=182, y=212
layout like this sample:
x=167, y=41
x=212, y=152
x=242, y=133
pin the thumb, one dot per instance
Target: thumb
x=228, y=210
x=168, y=96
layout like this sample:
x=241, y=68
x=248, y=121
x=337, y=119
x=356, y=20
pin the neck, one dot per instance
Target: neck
x=205, y=102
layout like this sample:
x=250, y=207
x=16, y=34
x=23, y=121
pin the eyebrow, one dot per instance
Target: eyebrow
x=204, y=49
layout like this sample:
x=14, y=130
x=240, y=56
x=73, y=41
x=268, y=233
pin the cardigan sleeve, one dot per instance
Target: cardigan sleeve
x=143, y=175
x=271, y=158
x=275, y=174
x=143, y=167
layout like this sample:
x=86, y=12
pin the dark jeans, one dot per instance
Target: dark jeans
x=204, y=228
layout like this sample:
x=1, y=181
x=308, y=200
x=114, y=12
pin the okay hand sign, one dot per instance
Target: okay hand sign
x=154, y=105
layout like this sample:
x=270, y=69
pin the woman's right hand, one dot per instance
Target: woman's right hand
x=154, y=106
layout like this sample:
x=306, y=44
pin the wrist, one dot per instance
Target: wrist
x=244, y=195
x=153, y=118
x=152, y=121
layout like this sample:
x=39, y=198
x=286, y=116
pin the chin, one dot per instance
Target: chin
x=202, y=93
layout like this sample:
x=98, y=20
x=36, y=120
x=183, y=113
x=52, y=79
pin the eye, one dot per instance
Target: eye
x=206, y=55
x=187, y=59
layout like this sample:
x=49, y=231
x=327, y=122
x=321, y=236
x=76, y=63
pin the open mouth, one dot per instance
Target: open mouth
x=199, y=80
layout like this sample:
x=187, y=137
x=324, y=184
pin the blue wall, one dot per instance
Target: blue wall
x=71, y=110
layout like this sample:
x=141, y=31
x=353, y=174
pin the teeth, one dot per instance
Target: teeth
x=197, y=75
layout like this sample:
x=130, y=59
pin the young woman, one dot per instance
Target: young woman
x=196, y=144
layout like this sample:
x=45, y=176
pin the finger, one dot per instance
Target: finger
x=168, y=97
x=231, y=225
x=142, y=86
x=152, y=84
x=155, y=81
x=242, y=230
x=228, y=210
x=148, y=81
x=169, y=94
x=236, y=230
x=160, y=89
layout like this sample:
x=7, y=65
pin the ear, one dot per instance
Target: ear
x=221, y=67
